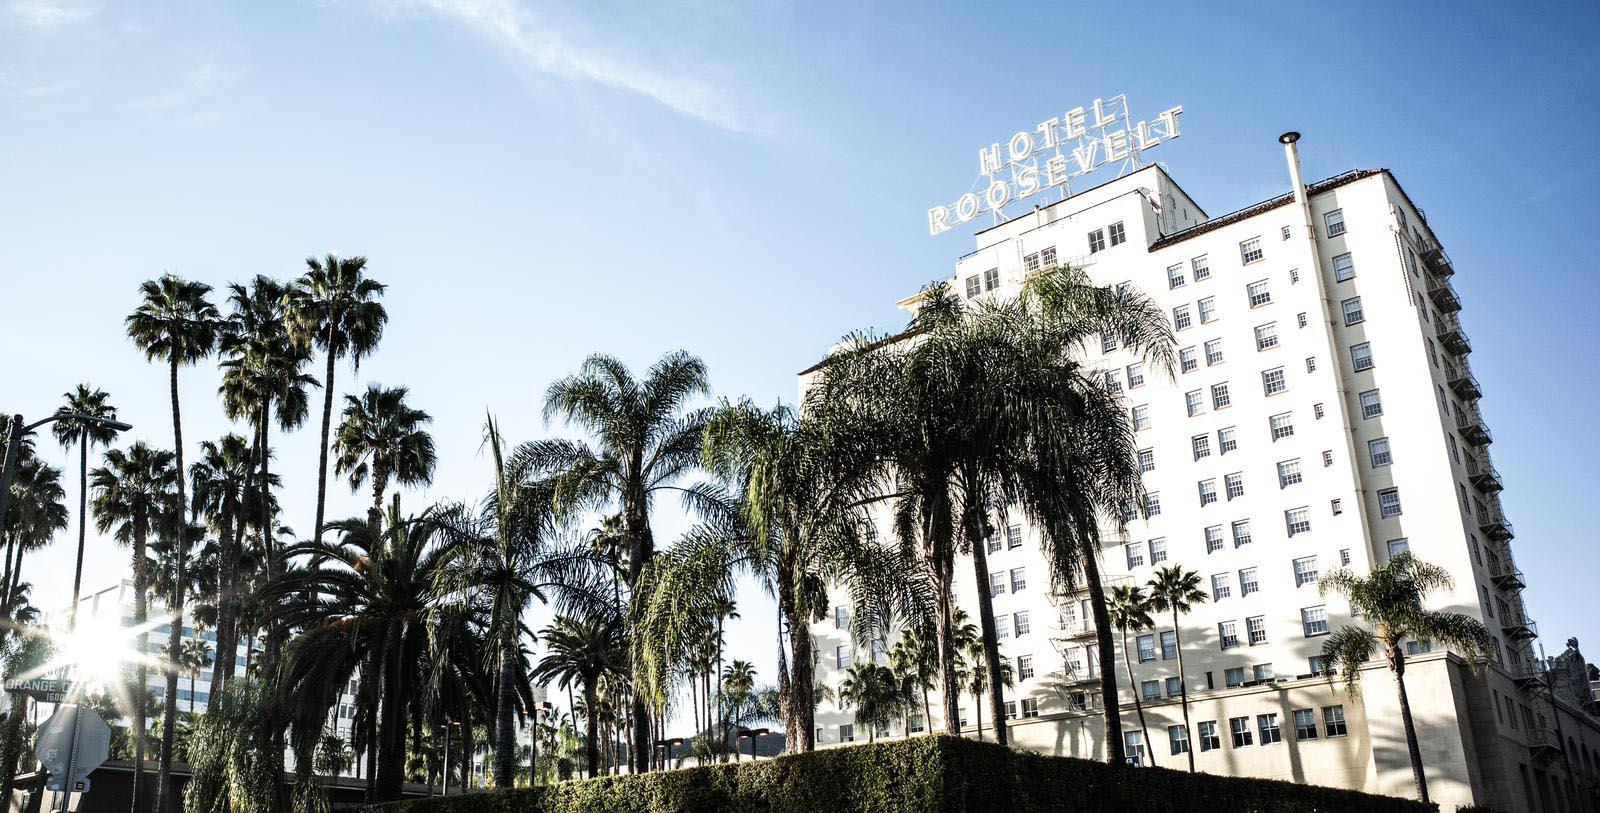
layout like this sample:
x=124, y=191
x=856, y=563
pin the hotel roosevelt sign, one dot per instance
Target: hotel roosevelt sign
x=1051, y=154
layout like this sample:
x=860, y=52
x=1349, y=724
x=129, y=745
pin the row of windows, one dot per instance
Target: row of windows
x=1313, y=620
x=1242, y=734
x=1097, y=238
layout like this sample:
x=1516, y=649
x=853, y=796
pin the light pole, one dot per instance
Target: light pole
x=14, y=443
x=750, y=734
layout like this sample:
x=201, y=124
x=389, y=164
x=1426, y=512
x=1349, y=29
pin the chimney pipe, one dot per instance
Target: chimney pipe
x=1292, y=154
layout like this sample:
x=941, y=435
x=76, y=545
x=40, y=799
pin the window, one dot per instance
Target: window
x=1233, y=677
x=1047, y=257
x=993, y=542
x=1024, y=667
x=841, y=617
x=1433, y=354
x=1298, y=520
x=1272, y=381
x=1288, y=473
x=1228, y=632
x=1250, y=250
x=1208, y=736
x=1333, y=721
x=1133, y=746
x=1256, y=627
x=1207, y=308
x=1188, y=360
x=1020, y=621
x=1282, y=426
x=847, y=733
x=1030, y=263
x=1169, y=651
x=1397, y=546
x=1267, y=724
x=1233, y=484
x=1097, y=241
x=1158, y=550
x=1147, y=459
x=1201, y=444
x=842, y=657
x=1305, y=571
x=1371, y=404
x=1361, y=356
x=1305, y=724
x=1147, y=652
x=1311, y=367
x=1108, y=342
x=1135, y=375
x=1113, y=383
x=991, y=279
x=1300, y=319
x=1019, y=579
x=1248, y=583
x=916, y=724
x=1220, y=589
x=1241, y=533
x=1219, y=396
x=1227, y=440
x=1343, y=268
x=1175, y=277
x=1334, y=221
x=1266, y=336
x=1318, y=664
x=1259, y=292
x=1194, y=401
x=1389, y=502
x=1285, y=232
x=997, y=584
x=1208, y=492
x=1180, y=318
x=1314, y=621
x=1213, y=538
x=1178, y=737
x=1141, y=417
x=1030, y=707
x=1135, y=553
x=1152, y=504
x=973, y=287
x=1013, y=536
x=1316, y=409
x=1352, y=311
x=1118, y=235
x=1201, y=268
x=1379, y=451
x=1213, y=352
x=1240, y=728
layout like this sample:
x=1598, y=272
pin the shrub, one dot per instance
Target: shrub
x=934, y=773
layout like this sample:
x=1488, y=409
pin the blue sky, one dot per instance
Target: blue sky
x=748, y=182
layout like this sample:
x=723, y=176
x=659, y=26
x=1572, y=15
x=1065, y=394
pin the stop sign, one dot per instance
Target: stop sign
x=73, y=742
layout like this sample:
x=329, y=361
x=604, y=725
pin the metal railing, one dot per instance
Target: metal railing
x=1444, y=295
x=1452, y=336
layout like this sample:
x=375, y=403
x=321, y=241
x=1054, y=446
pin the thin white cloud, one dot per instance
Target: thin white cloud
x=540, y=44
x=46, y=15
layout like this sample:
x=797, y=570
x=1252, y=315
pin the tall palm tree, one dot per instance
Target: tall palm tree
x=38, y=512
x=645, y=442
x=134, y=492
x=1130, y=609
x=1176, y=590
x=221, y=481
x=334, y=307
x=976, y=680
x=1390, y=600
x=194, y=657
x=381, y=438
x=874, y=692
x=914, y=661
x=175, y=323
x=582, y=651
x=85, y=433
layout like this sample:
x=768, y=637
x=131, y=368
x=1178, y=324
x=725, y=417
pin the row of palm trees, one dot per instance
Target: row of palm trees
x=971, y=415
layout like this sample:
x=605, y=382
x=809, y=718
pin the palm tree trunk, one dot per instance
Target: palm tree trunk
x=83, y=526
x=722, y=722
x=991, y=640
x=169, y=714
x=391, y=734
x=1397, y=666
x=192, y=674
x=5, y=576
x=1183, y=690
x=505, y=749
x=327, y=419
x=641, y=548
x=799, y=696
x=977, y=698
x=591, y=712
x=1138, y=705
x=225, y=619
x=927, y=711
x=1115, y=755
x=141, y=613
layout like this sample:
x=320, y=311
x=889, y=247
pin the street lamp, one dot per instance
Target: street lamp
x=14, y=443
x=666, y=747
x=751, y=734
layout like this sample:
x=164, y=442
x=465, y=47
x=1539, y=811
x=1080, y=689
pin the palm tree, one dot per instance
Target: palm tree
x=194, y=656
x=85, y=433
x=582, y=651
x=334, y=307
x=1390, y=600
x=1176, y=590
x=38, y=513
x=874, y=692
x=382, y=438
x=221, y=481
x=133, y=493
x=976, y=679
x=25, y=655
x=914, y=660
x=176, y=323
x=645, y=442
x=1130, y=609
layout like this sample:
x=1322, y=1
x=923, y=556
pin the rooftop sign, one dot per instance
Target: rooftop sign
x=1054, y=152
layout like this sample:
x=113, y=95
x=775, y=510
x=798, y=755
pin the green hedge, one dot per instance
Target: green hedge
x=934, y=773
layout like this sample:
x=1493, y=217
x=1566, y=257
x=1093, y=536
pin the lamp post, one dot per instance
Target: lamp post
x=666, y=746
x=750, y=734
x=14, y=443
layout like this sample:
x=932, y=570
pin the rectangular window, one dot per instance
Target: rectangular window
x=1209, y=741
x=1273, y=382
x=1141, y=417
x=1282, y=426
x=1305, y=571
x=1333, y=721
x=1219, y=396
x=1047, y=257
x=1147, y=459
x=1250, y=250
x=1158, y=550
x=1147, y=652
x=1188, y=360
x=1334, y=221
x=1019, y=579
x=1201, y=444
x=841, y=617
x=991, y=279
x=1152, y=504
x=1181, y=319
x=1227, y=440
x=1298, y=520
x=1305, y=724
x=1248, y=583
x=1300, y=319
x=1020, y=621
x=1213, y=538
x=1267, y=724
x=1178, y=737
x=1133, y=746
x=1343, y=268
x=1241, y=533
x=1175, y=277
x=1134, y=551
x=993, y=542
x=1201, y=267
x=1195, y=402
x=997, y=584
x=1030, y=707
x=1260, y=293
x=1228, y=632
x=1311, y=367
x=1233, y=677
x=847, y=733
x=1352, y=311
x=1314, y=620
x=1108, y=342
x=1371, y=404
x=1256, y=626
x=1174, y=686
x=1240, y=728
x=1024, y=667
x=1220, y=588
x=1208, y=492
x=1233, y=484
x=1135, y=375
x=1169, y=651
x=842, y=657
x=974, y=287
x=1379, y=451
x=1213, y=352
x=1361, y=356
x=1013, y=536
x=1097, y=241
x=1207, y=308
x=1266, y=336
x=1389, y=502
x=1118, y=234
x=1113, y=382
x=1288, y=473
x=1030, y=264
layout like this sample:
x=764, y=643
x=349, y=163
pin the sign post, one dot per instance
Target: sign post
x=71, y=744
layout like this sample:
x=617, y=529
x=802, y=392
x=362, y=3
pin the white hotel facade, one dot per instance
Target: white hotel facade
x=1324, y=416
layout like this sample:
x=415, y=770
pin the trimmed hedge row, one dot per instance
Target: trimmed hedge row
x=933, y=773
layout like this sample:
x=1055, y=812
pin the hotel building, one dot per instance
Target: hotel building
x=1324, y=415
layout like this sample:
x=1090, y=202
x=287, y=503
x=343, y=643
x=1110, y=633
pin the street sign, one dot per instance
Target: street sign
x=71, y=744
x=44, y=690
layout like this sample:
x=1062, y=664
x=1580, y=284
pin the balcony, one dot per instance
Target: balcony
x=1437, y=261
x=1452, y=337
x=1463, y=383
x=1520, y=628
x=1543, y=743
x=1444, y=296
x=1495, y=526
x=1076, y=629
x=1506, y=576
x=1485, y=477
x=1472, y=428
x=1528, y=676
